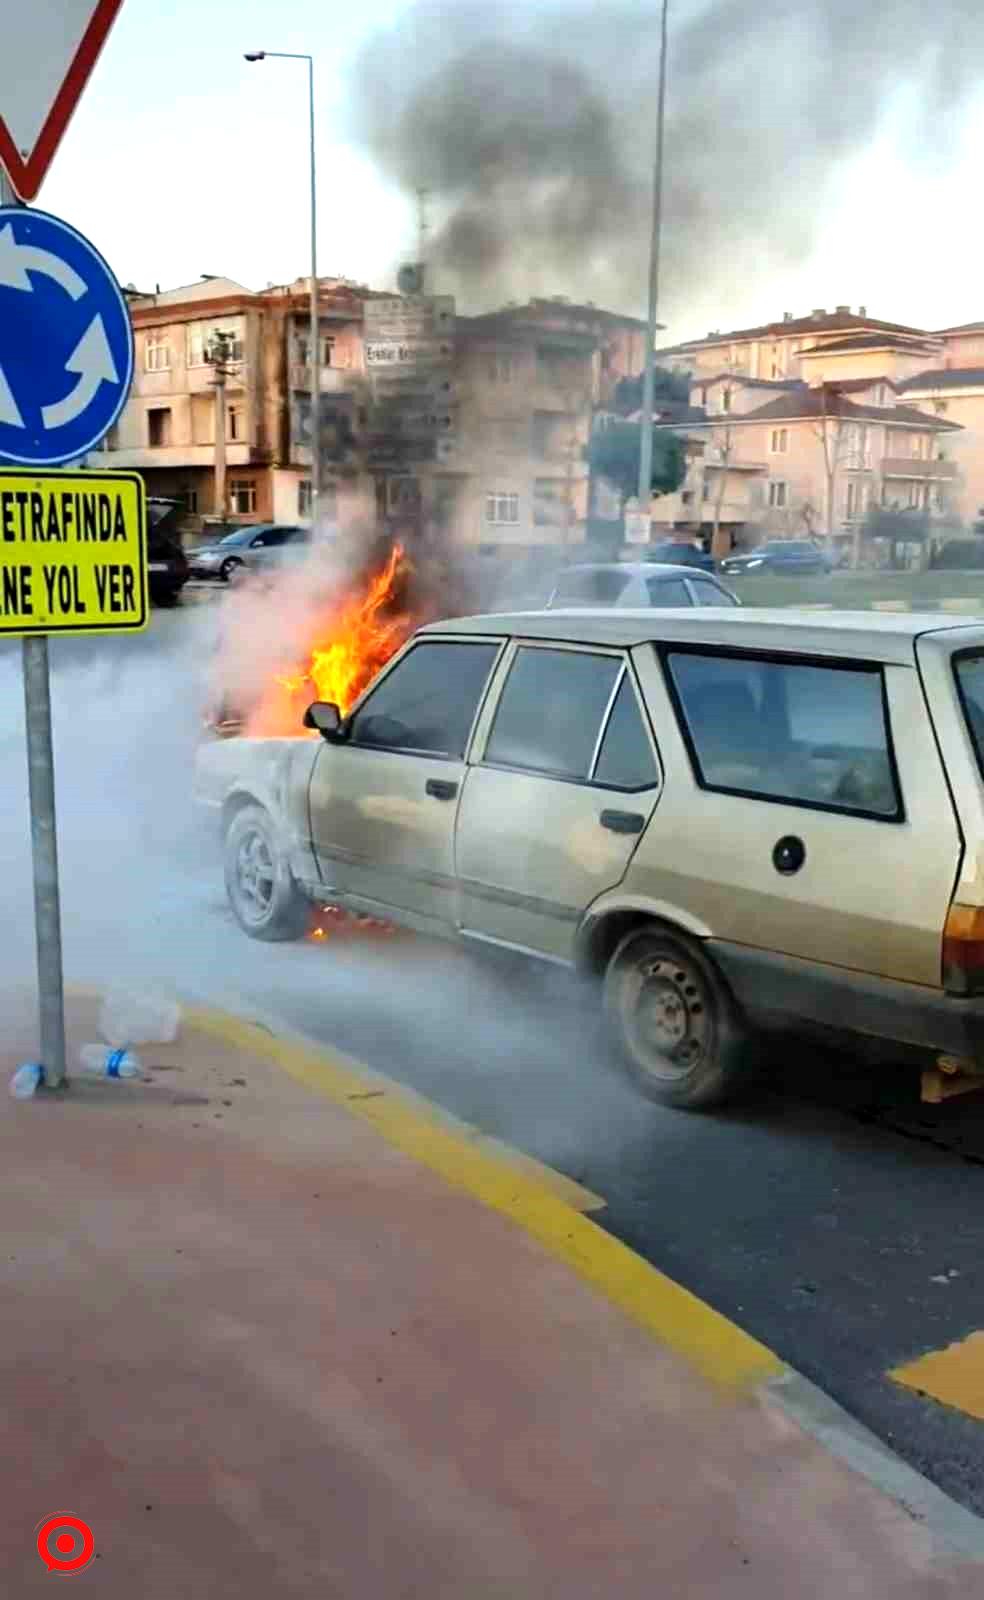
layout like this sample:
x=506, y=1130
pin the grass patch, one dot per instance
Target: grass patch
x=859, y=591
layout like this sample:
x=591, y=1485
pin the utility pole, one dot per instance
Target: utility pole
x=218, y=356
x=422, y=232
x=646, y=435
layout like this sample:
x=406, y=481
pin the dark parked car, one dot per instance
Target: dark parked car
x=682, y=553
x=226, y=557
x=793, y=556
x=167, y=564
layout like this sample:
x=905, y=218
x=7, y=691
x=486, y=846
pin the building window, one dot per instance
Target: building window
x=235, y=418
x=777, y=496
x=202, y=338
x=242, y=497
x=159, y=427
x=157, y=353
x=502, y=509
x=304, y=498
x=725, y=399
x=189, y=499
x=706, y=489
x=918, y=496
x=780, y=441
x=857, y=498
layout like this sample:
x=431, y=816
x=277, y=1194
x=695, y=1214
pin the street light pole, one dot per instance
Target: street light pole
x=648, y=384
x=315, y=340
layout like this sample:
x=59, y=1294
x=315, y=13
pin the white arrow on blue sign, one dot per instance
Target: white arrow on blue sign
x=66, y=343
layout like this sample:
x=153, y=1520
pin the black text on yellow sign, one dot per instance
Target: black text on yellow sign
x=73, y=552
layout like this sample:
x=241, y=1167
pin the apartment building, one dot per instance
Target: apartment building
x=788, y=348
x=528, y=380
x=795, y=458
x=168, y=429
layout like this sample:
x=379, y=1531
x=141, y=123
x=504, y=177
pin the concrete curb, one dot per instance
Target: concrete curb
x=551, y=1208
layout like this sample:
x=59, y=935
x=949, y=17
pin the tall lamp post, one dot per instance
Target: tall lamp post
x=646, y=434
x=315, y=350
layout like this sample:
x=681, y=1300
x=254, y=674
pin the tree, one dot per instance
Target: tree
x=613, y=453
x=668, y=387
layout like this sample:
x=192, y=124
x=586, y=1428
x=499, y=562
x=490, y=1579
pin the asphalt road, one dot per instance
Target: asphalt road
x=833, y=1217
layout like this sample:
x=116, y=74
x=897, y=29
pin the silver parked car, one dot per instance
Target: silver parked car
x=638, y=583
x=737, y=822
x=245, y=549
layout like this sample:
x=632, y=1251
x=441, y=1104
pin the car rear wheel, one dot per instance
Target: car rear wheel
x=265, y=900
x=229, y=568
x=675, y=1021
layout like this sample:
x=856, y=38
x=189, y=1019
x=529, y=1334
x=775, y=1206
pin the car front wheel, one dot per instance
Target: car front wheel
x=265, y=900
x=676, y=1023
x=229, y=568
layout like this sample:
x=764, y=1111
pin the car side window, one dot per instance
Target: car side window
x=789, y=731
x=550, y=712
x=625, y=760
x=668, y=592
x=427, y=703
x=708, y=594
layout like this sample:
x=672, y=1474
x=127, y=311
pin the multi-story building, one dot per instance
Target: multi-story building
x=168, y=428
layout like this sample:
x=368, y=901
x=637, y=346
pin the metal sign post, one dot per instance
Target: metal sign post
x=73, y=555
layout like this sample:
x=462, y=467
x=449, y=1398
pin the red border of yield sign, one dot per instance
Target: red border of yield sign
x=27, y=175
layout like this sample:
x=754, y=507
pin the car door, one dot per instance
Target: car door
x=562, y=782
x=706, y=592
x=383, y=802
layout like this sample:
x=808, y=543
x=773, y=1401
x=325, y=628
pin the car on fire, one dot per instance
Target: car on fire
x=737, y=821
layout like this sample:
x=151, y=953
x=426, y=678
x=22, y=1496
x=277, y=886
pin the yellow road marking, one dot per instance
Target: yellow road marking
x=717, y=1348
x=954, y=1376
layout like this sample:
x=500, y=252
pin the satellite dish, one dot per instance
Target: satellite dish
x=410, y=279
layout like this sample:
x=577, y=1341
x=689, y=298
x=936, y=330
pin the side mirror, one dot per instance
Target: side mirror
x=324, y=717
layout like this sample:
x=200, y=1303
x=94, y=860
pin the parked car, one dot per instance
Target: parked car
x=793, y=556
x=637, y=583
x=167, y=565
x=683, y=553
x=715, y=815
x=244, y=547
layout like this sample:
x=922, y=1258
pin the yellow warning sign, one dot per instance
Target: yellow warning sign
x=73, y=552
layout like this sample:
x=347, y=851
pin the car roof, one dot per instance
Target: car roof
x=866, y=635
x=635, y=569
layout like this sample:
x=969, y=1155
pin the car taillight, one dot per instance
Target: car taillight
x=963, y=950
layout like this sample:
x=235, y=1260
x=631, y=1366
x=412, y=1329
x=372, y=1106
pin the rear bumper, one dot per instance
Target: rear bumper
x=780, y=989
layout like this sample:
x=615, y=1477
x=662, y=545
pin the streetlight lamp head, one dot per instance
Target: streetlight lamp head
x=255, y=55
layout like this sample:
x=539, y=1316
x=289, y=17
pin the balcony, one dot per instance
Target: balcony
x=913, y=467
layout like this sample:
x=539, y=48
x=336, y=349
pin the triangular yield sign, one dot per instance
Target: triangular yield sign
x=48, y=53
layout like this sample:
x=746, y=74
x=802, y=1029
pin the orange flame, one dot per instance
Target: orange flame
x=352, y=642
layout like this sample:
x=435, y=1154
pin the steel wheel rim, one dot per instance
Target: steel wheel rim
x=667, y=1018
x=256, y=876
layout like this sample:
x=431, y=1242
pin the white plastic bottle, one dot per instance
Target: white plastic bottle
x=26, y=1079
x=103, y=1063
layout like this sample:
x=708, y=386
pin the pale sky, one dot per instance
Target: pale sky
x=183, y=159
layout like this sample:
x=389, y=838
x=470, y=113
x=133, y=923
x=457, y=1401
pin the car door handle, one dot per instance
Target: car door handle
x=441, y=789
x=623, y=821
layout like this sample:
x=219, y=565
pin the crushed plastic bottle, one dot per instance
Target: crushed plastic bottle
x=103, y=1063
x=138, y=1016
x=26, y=1079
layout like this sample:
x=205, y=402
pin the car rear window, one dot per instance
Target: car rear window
x=789, y=731
x=969, y=670
x=668, y=592
x=597, y=588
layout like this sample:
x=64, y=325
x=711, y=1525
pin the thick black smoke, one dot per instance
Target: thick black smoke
x=533, y=127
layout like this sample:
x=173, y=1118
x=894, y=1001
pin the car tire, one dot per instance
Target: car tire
x=265, y=900
x=675, y=1021
x=228, y=567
